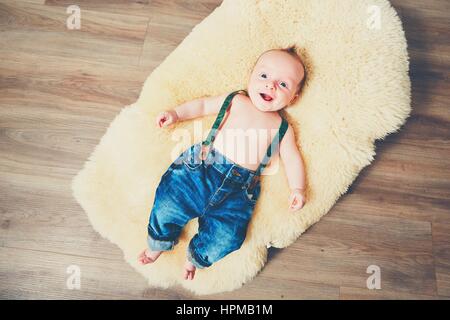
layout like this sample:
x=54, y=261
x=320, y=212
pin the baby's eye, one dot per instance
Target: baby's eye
x=283, y=84
x=263, y=75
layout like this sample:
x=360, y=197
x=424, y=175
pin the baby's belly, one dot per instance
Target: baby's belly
x=247, y=154
x=233, y=157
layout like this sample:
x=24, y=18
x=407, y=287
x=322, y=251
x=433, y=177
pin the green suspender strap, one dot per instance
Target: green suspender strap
x=212, y=133
x=273, y=146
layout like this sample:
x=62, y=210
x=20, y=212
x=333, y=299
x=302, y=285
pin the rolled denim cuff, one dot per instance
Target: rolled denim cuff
x=191, y=259
x=195, y=261
x=160, y=245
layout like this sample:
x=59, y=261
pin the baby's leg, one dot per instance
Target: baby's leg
x=171, y=211
x=173, y=207
x=148, y=256
x=189, y=271
x=219, y=234
x=165, y=226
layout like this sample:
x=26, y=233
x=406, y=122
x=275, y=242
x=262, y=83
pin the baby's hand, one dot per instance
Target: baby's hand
x=297, y=199
x=166, y=118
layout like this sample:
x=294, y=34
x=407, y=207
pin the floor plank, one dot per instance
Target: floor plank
x=338, y=250
x=41, y=30
x=441, y=251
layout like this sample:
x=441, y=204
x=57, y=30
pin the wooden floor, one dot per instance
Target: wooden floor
x=60, y=89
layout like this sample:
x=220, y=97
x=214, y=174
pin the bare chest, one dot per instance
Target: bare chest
x=245, y=135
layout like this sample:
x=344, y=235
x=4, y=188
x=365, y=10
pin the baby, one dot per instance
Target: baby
x=209, y=182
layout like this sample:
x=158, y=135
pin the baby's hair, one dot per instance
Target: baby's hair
x=293, y=52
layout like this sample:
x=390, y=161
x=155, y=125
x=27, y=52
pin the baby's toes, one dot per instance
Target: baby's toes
x=148, y=260
x=140, y=256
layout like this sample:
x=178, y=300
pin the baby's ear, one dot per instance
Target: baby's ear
x=294, y=99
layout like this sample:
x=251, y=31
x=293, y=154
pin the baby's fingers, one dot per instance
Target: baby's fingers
x=297, y=203
x=291, y=199
x=301, y=203
x=158, y=120
x=162, y=118
x=162, y=121
x=141, y=255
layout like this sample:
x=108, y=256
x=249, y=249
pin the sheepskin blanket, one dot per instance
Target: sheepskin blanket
x=358, y=90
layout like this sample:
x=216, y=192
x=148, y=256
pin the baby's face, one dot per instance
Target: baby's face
x=274, y=80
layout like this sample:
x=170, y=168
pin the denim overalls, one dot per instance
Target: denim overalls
x=207, y=185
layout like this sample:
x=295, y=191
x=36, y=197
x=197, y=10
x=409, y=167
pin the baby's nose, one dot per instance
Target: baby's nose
x=269, y=85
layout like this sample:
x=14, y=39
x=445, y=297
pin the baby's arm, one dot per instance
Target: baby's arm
x=199, y=107
x=294, y=167
x=191, y=109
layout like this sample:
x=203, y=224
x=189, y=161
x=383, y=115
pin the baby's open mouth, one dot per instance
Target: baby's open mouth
x=266, y=97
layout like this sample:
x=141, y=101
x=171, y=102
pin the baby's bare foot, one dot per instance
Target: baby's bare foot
x=148, y=256
x=189, y=270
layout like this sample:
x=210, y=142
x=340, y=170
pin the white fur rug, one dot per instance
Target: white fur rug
x=358, y=91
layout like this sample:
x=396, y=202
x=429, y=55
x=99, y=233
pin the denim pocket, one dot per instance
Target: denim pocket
x=191, y=158
x=251, y=194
